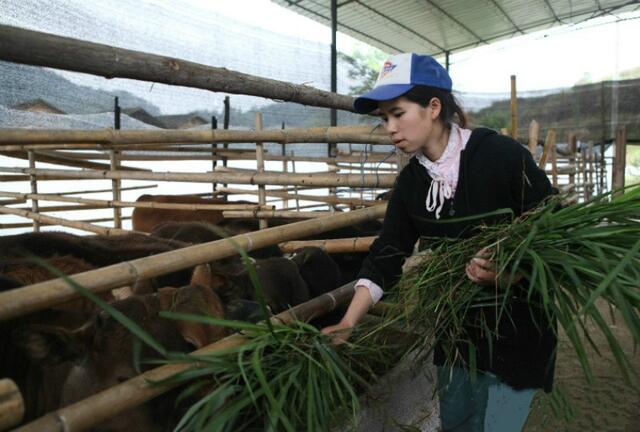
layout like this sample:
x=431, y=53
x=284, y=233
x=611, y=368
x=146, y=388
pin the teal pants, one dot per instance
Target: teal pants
x=485, y=404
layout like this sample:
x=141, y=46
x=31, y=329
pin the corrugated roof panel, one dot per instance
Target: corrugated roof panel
x=436, y=26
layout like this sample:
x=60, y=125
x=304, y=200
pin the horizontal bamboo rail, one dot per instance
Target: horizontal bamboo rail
x=43, y=49
x=21, y=178
x=305, y=197
x=92, y=191
x=84, y=226
x=275, y=214
x=64, y=208
x=12, y=201
x=146, y=204
x=13, y=138
x=61, y=160
x=266, y=178
x=346, y=245
x=11, y=404
x=95, y=409
x=27, y=224
x=245, y=155
x=32, y=298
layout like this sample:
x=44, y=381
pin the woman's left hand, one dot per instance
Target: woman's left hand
x=482, y=269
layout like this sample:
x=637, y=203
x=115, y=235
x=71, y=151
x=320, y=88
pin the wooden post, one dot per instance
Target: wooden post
x=34, y=189
x=620, y=159
x=11, y=404
x=549, y=142
x=115, y=185
x=295, y=187
x=214, y=146
x=573, y=159
x=534, y=132
x=514, y=109
x=554, y=164
x=262, y=196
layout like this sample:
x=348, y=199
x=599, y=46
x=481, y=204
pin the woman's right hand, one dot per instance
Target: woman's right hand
x=339, y=333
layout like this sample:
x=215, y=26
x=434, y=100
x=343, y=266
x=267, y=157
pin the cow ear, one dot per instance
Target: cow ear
x=202, y=276
x=193, y=333
x=51, y=345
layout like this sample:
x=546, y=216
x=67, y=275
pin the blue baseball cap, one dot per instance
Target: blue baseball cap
x=399, y=74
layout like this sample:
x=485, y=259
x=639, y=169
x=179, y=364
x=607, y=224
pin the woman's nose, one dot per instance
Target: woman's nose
x=390, y=126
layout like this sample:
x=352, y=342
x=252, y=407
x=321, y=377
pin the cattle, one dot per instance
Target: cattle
x=200, y=232
x=96, y=251
x=145, y=219
x=318, y=269
x=279, y=279
x=55, y=364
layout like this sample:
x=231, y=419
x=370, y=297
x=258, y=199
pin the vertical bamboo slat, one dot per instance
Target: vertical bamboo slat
x=554, y=164
x=115, y=185
x=262, y=196
x=573, y=159
x=549, y=142
x=534, y=132
x=591, y=173
x=620, y=159
x=33, y=179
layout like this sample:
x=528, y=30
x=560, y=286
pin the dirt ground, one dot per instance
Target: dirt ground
x=608, y=405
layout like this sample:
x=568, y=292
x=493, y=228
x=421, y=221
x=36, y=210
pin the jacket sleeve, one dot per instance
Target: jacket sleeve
x=529, y=184
x=387, y=254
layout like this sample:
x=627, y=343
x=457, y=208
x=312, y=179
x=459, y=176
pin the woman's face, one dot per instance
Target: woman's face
x=409, y=124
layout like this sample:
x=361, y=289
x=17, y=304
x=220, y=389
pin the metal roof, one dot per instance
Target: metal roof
x=437, y=26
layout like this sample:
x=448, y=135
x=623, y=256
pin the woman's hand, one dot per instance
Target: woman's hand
x=339, y=333
x=482, y=270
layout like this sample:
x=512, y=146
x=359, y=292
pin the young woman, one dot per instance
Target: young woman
x=456, y=172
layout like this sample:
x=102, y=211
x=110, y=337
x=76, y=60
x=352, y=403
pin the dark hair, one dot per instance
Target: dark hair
x=421, y=95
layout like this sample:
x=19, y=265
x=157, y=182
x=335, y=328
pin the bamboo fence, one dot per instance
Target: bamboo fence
x=91, y=411
x=35, y=297
x=11, y=404
x=344, y=245
x=305, y=197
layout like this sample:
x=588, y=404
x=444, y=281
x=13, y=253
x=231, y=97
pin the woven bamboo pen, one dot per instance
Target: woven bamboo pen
x=20, y=301
x=345, y=245
x=91, y=411
x=268, y=178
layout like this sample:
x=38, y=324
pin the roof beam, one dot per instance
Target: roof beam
x=292, y=3
x=452, y=18
x=553, y=12
x=399, y=24
x=515, y=26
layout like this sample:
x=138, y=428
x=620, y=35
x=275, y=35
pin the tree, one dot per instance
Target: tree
x=363, y=67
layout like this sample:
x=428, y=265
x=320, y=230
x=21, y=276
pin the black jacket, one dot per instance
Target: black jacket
x=495, y=173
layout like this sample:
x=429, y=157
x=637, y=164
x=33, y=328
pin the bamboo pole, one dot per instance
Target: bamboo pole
x=12, y=201
x=144, y=204
x=115, y=185
x=20, y=301
x=66, y=208
x=11, y=404
x=112, y=137
x=295, y=188
x=549, y=142
x=275, y=214
x=288, y=196
x=346, y=245
x=573, y=149
x=25, y=225
x=591, y=169
x=43, y=49
x=534, y=132
x=95, y=409
x=84, y=226
x=60, y=160
x=262, y=197
x=268, y=178
x=92, y=191
x=620, y=159
x=34, y=190
x=21, y=178
x=514, y=109
x=554, y=165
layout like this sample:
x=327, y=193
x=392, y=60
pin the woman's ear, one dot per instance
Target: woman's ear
x=435, y=106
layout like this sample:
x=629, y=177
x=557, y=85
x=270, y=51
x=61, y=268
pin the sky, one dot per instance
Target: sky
x=558, y=57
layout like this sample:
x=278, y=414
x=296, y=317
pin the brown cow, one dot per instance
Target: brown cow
x=57, y=365
x=145, y=219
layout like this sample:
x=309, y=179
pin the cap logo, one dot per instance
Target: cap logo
x=386, y=68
